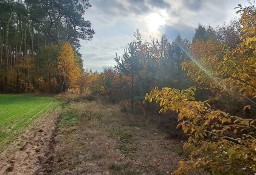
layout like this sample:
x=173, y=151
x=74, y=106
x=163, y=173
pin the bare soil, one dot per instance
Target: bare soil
x=31, y=150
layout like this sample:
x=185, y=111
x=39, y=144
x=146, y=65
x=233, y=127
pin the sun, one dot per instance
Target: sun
x=155, y=21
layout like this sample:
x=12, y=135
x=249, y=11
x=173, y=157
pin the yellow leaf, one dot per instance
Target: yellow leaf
x=235, y=131
x=247, y=107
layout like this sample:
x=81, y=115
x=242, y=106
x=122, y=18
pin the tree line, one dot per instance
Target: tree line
x=33, y=34
x=160, y=63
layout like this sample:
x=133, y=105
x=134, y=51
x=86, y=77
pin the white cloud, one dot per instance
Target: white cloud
x=115, y=21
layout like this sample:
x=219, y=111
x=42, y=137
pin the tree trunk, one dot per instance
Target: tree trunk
x=6, y=42
x=132, y=100
x=1, y=53
x=17, y=81
x=32, y=42
x=25, y=43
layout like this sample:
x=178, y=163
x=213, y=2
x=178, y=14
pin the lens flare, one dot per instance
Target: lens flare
x=216, y=80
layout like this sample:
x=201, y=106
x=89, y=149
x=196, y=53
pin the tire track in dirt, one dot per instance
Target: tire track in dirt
x=31, y=153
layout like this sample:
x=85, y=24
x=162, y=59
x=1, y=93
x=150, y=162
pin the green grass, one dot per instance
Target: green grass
x=18, y=111
x=125, y=141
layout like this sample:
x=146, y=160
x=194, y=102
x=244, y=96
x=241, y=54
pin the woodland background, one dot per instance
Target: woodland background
x=39, y=43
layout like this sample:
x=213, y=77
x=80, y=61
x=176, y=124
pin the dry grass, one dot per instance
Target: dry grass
x=96, y=138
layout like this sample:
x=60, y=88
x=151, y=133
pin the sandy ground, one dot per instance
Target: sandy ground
x=29, y=153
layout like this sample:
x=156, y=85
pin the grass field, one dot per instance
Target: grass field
x=18, y=111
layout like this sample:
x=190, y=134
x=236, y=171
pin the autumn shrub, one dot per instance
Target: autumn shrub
x=119, y=89
x=88, y=97
x=217, y=142
x=66, y=98
x=168, y=123
x=108, y=85
x=125, y=105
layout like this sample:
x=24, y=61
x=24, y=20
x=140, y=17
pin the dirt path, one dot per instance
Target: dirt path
x=29, y=153
x=91, y=139
x=95, y=139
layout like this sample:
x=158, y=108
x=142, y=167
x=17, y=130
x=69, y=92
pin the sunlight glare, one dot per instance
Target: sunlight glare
x=155, y=21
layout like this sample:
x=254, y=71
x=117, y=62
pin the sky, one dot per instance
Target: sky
x=115, y=22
